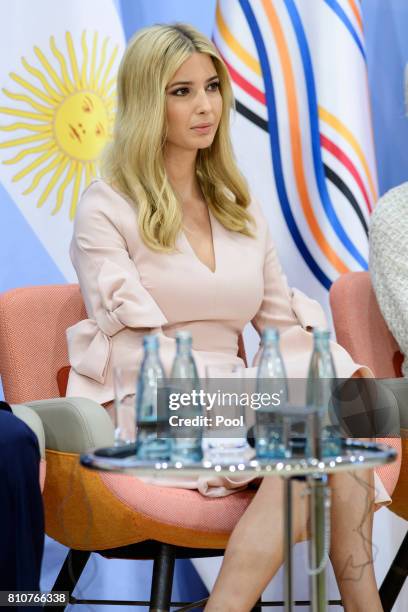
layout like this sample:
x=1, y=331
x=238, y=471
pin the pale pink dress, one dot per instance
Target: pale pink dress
x=128, y=288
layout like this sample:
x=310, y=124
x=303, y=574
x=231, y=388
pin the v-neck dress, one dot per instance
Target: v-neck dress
x=130, y=290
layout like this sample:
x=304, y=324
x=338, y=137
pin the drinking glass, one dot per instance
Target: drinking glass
x=225, y=438
x=124, y=414
x=299, y=431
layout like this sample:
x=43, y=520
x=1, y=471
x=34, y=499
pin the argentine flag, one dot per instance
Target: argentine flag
x=57, y=102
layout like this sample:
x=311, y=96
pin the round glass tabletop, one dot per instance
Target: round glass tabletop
x=355, y=455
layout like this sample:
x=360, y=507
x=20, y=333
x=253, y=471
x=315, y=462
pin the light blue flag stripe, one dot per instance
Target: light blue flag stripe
x=24, y=260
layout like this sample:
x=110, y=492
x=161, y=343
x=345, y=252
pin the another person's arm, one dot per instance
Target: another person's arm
x=389, y=263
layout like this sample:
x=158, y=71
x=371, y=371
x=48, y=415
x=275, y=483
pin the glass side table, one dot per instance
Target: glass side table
x=355, y=455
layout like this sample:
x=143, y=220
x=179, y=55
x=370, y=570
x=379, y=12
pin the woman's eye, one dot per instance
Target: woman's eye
x=214, y=86
x=182, y=91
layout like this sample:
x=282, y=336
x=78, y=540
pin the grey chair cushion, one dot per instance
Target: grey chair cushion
x=74, y=424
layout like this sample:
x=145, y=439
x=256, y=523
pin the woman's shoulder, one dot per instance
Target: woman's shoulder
x=99, y=189
x=388, y=227
x=101, y=198
x=255, y=209
x=391, y=209
x=389, y=222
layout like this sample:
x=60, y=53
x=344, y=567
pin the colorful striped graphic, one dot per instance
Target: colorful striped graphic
x=299, y=76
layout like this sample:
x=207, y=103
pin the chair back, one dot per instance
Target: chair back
x=33, y=346
x=360, y=326
x=362, y=331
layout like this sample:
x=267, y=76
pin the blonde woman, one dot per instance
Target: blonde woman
x=170, y=240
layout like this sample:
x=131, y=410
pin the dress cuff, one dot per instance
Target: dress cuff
x=89, y=349
x=309, y=312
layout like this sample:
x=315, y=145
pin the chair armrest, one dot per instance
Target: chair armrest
x=74, y=424
x=33, y=421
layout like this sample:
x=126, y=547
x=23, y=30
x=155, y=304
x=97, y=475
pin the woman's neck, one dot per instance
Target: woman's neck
x=180, y=167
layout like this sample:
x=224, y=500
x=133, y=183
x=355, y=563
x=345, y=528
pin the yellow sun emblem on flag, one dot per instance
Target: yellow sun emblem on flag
x=69, y=122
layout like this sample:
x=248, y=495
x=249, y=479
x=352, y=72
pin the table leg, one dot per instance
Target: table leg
x=288, y=539
x=318, y=544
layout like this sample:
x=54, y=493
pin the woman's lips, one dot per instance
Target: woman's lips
x=203, y=129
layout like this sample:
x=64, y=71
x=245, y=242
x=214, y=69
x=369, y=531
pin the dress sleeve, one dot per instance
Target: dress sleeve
x=110, y=283
x=389, y=263
x=283, y=307
x=295, y=315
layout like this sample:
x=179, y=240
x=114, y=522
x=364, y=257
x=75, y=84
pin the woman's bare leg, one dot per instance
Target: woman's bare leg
x=255, y=548
x=351, y=540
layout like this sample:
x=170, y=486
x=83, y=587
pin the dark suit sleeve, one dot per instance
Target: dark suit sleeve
x=21, y=508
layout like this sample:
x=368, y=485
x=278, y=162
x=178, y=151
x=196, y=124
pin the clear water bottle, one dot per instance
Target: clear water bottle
x=271, y=379
x=320, y=385
x=186, y=440
x=149, y=446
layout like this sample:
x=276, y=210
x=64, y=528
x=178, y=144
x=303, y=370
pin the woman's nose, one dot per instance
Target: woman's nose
x=203, y=102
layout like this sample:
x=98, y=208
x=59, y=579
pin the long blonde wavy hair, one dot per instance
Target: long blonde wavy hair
x=134, y=161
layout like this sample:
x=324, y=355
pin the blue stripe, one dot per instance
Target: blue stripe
x=335, y=6
x=315, y=136
x=25, y=260
x=275, y=147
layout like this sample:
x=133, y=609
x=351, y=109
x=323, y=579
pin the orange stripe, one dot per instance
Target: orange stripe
x=348, y=135
x=356, y=12
x=373, y=186
x=295, y=138
x=234, y=44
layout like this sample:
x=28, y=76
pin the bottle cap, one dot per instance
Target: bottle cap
x=269, y=334
x=321, y=334
x=183, y=335
x=151, y=341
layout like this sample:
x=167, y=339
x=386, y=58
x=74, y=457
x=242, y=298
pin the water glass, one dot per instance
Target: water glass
x=225, y=438
x=300, y=431
x=124, y=414
x=288, y=432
